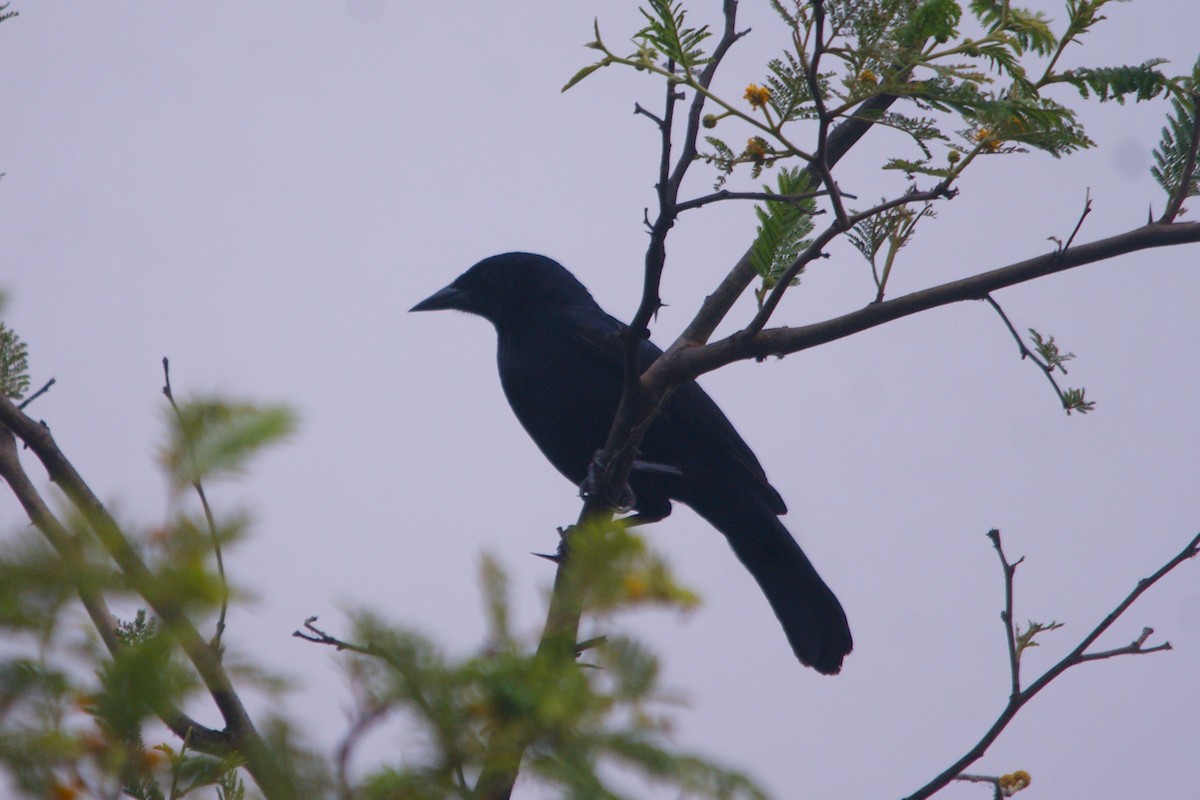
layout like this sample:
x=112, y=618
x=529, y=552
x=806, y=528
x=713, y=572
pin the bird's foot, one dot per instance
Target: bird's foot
x=588, y=490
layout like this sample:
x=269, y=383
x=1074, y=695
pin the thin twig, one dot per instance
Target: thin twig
x=1078, y=655
x=988, y=779
x=770, y=197
x=1010, y=633
x=45, y=388
x=1087, y=209
x=657, y=120
x=1046, y=369
x=318, y=636
x=824, y=120
x=208, y=515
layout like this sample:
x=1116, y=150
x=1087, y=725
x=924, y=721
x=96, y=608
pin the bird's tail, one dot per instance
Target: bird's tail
x=811, y=615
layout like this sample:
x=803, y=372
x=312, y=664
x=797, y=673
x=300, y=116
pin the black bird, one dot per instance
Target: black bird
x=561, y=367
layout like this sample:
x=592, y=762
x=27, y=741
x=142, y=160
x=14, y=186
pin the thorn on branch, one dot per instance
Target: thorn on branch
x=657, y=120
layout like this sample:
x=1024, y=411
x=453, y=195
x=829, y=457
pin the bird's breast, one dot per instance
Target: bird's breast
x=563, y=402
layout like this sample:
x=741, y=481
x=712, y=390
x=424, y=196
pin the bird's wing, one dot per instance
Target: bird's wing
x=692, y=435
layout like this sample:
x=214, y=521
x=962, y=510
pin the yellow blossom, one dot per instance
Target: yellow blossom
x=1014, y=782
x=757, y=96
x=756, y=149
x=867, y=76
x=989, y=142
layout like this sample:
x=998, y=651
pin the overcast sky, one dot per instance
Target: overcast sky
x=260, y=190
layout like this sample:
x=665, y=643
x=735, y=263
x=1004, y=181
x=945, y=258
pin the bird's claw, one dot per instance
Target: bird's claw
x=587, y=489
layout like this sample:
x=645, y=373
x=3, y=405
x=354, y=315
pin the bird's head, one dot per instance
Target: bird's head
x=507, y=287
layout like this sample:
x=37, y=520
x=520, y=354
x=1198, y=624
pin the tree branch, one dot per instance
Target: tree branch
x=1046, y=369
x=1075, y=657
x=260, y=762
x=685, y=361
x=204, y=739
x=198, y=486
x=839, y=142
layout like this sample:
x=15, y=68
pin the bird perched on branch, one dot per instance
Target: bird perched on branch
x=561, y=366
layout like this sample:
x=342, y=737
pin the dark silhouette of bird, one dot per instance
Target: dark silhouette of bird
x=561, y=365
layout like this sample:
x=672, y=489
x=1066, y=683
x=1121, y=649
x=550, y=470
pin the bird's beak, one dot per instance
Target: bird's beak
x=450, y=297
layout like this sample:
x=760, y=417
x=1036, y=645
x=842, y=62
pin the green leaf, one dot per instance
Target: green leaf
x=932, y=19
x=583, y=73
x=791, y=98
x=213, y=437
x=1116, y=83
x=14, y=364
x=782, y=228
x=667, y=32
x=1174, y=152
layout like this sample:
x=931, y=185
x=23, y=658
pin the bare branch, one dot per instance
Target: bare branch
x=45, y=388
x=1010, y=633
x=1047, y=369
x=1074, y=658
x=1087, y=209
x=726, y=194
x=208, y=515
x=684, y=360
x=312, y=633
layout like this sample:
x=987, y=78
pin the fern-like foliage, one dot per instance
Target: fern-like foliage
x=1175, y=157
x=1116, y=83
x=782, y=228
x=935, y=20
x=667, y=33
x=894, y=228
x=14, y=362
x=791, y=97
x=1025, y=31
x=210, y=438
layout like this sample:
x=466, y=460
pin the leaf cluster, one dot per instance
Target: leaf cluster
x=783, y=228
x=568, y=718
x=1176, y=154
x=210, y=437
x=14, y=362
x=63, y=735
x=666, y=33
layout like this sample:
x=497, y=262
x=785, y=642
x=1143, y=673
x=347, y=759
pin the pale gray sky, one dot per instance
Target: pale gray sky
x=259, y=191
